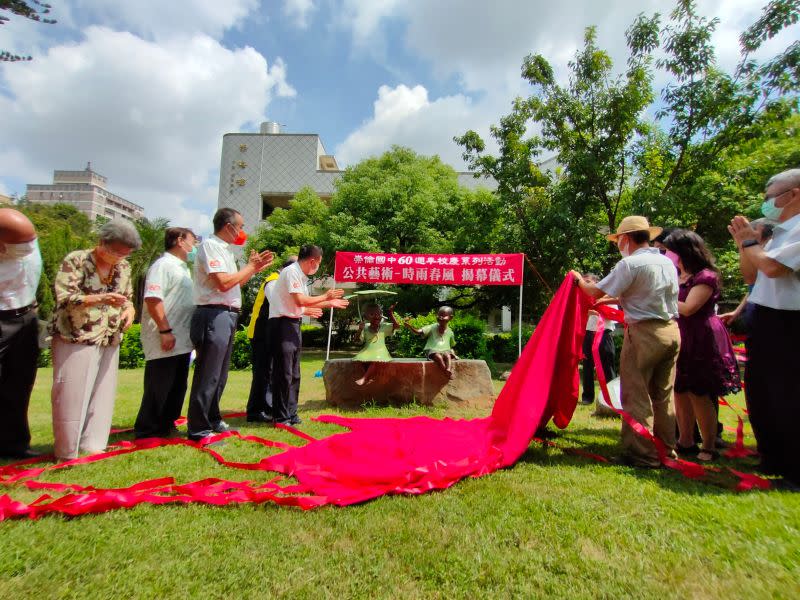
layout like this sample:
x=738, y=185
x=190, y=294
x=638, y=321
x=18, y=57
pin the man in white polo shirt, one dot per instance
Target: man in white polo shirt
x=218, y=302
x=289, y=301
x=772, y=385
x=20, y=269
x=169, y=304
x=646, y=284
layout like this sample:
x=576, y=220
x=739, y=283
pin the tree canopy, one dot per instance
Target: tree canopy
x=624, y=149
x=28, y=9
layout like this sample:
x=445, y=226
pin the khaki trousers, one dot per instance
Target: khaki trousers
x=647, y=375
x=84, y=388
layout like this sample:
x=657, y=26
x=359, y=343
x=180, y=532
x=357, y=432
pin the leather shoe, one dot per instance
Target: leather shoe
x=295, y=420
x=223, y=427
x=20, y=454
x=261, y=417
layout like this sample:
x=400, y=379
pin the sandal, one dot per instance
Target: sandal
x=687, y=450
x=712, y=455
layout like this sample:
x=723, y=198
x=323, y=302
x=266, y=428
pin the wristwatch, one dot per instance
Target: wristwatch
x=749, y=243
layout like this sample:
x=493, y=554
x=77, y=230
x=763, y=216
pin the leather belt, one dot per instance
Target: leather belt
x=232, y=309
x=16, y=312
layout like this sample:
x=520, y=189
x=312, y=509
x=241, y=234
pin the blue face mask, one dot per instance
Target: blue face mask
x=191, y=254
x=769, y=210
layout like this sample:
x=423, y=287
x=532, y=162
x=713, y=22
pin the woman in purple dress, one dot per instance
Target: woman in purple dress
x=707, y=367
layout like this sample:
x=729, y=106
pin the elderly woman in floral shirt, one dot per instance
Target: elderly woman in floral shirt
x=93, y=308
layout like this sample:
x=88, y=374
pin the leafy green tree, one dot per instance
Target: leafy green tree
x=61, y=228
x=614, y=159
x=29, y=9
x=398, y=202
x=151, y=233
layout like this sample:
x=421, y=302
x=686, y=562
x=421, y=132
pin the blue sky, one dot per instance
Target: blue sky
x=145, y=89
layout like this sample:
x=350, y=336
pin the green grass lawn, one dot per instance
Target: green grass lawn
x=553, y=525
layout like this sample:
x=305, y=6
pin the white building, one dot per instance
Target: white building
x=260, y=172
x=86, y=191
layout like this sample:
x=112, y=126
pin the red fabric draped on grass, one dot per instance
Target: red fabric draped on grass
x=376, y=456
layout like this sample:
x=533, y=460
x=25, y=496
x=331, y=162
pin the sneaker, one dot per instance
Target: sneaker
x=295, y=420
x=223, y=427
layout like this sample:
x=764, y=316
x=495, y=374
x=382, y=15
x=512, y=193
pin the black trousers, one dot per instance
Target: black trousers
x=607, y=356
x=260, y=399
x=286, y=346
x=165, y=382
x=211, y=332
x=772, y=388
x=19, y=352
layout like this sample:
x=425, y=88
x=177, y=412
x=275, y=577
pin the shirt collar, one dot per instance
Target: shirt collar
x=647, y=250
x=790, y=224
x=170, y=256
x=218, y=240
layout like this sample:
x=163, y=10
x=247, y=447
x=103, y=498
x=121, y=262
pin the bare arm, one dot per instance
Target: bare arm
x=155, y=308
x=587, y=287
x=395, y=324
x=408, y=325
x=697, y=297
x=330, y=299
x=753, y=258
x=730, y=317
x=257, y=263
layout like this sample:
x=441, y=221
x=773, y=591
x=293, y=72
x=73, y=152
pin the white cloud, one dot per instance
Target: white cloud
x=482, y=45
x=365, y=17
x=299, y=11
x=163, y=19
x=405, y=116
x=149, y=116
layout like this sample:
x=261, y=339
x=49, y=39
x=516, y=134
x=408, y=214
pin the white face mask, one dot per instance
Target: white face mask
x=17, y=251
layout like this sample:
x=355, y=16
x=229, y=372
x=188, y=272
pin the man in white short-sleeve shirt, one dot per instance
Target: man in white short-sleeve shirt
x=259, y=402
x=288, y=302
x=169, y=305
x=772, y=387
x=218, y=300
x=20, y=269
x=646, y=284
x=606, y=350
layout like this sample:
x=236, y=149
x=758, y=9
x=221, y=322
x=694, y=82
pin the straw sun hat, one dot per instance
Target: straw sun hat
x=631, y=224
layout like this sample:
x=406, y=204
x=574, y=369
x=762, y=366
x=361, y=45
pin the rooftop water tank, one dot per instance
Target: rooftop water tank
x=270, y=127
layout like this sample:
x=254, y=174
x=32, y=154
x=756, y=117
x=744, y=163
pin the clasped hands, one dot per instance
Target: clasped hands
x=261, y=260
x=741, y=230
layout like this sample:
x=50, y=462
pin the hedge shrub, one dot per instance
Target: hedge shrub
x=131, y=355
x=469, y=333
x=241, y=356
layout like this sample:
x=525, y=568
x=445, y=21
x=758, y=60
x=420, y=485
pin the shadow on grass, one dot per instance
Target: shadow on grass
x=714, y=483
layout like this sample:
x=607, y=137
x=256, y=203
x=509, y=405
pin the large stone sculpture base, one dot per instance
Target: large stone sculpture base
x=404, y=381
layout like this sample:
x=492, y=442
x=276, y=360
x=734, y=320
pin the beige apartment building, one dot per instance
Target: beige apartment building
x=88, y=192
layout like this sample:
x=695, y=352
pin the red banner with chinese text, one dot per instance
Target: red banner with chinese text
x=429, y=269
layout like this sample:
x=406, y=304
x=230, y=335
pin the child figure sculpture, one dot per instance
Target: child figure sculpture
x=373, y=331
x=440, y=340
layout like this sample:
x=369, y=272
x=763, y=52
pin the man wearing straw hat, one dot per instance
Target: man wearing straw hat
x=646, y=284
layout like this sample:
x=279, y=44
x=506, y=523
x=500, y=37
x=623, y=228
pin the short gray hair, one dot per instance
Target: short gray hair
x=790, y=176
x=120, y=232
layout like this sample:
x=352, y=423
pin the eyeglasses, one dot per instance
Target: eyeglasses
x=776, y=196
x=112, y=252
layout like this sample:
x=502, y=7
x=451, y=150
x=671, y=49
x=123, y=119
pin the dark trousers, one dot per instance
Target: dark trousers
x=211, y=332
x=772, y=388
x=260, y=399
x=19, y=352
x=606, y=359
x=165, y=382
x=286, y=346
